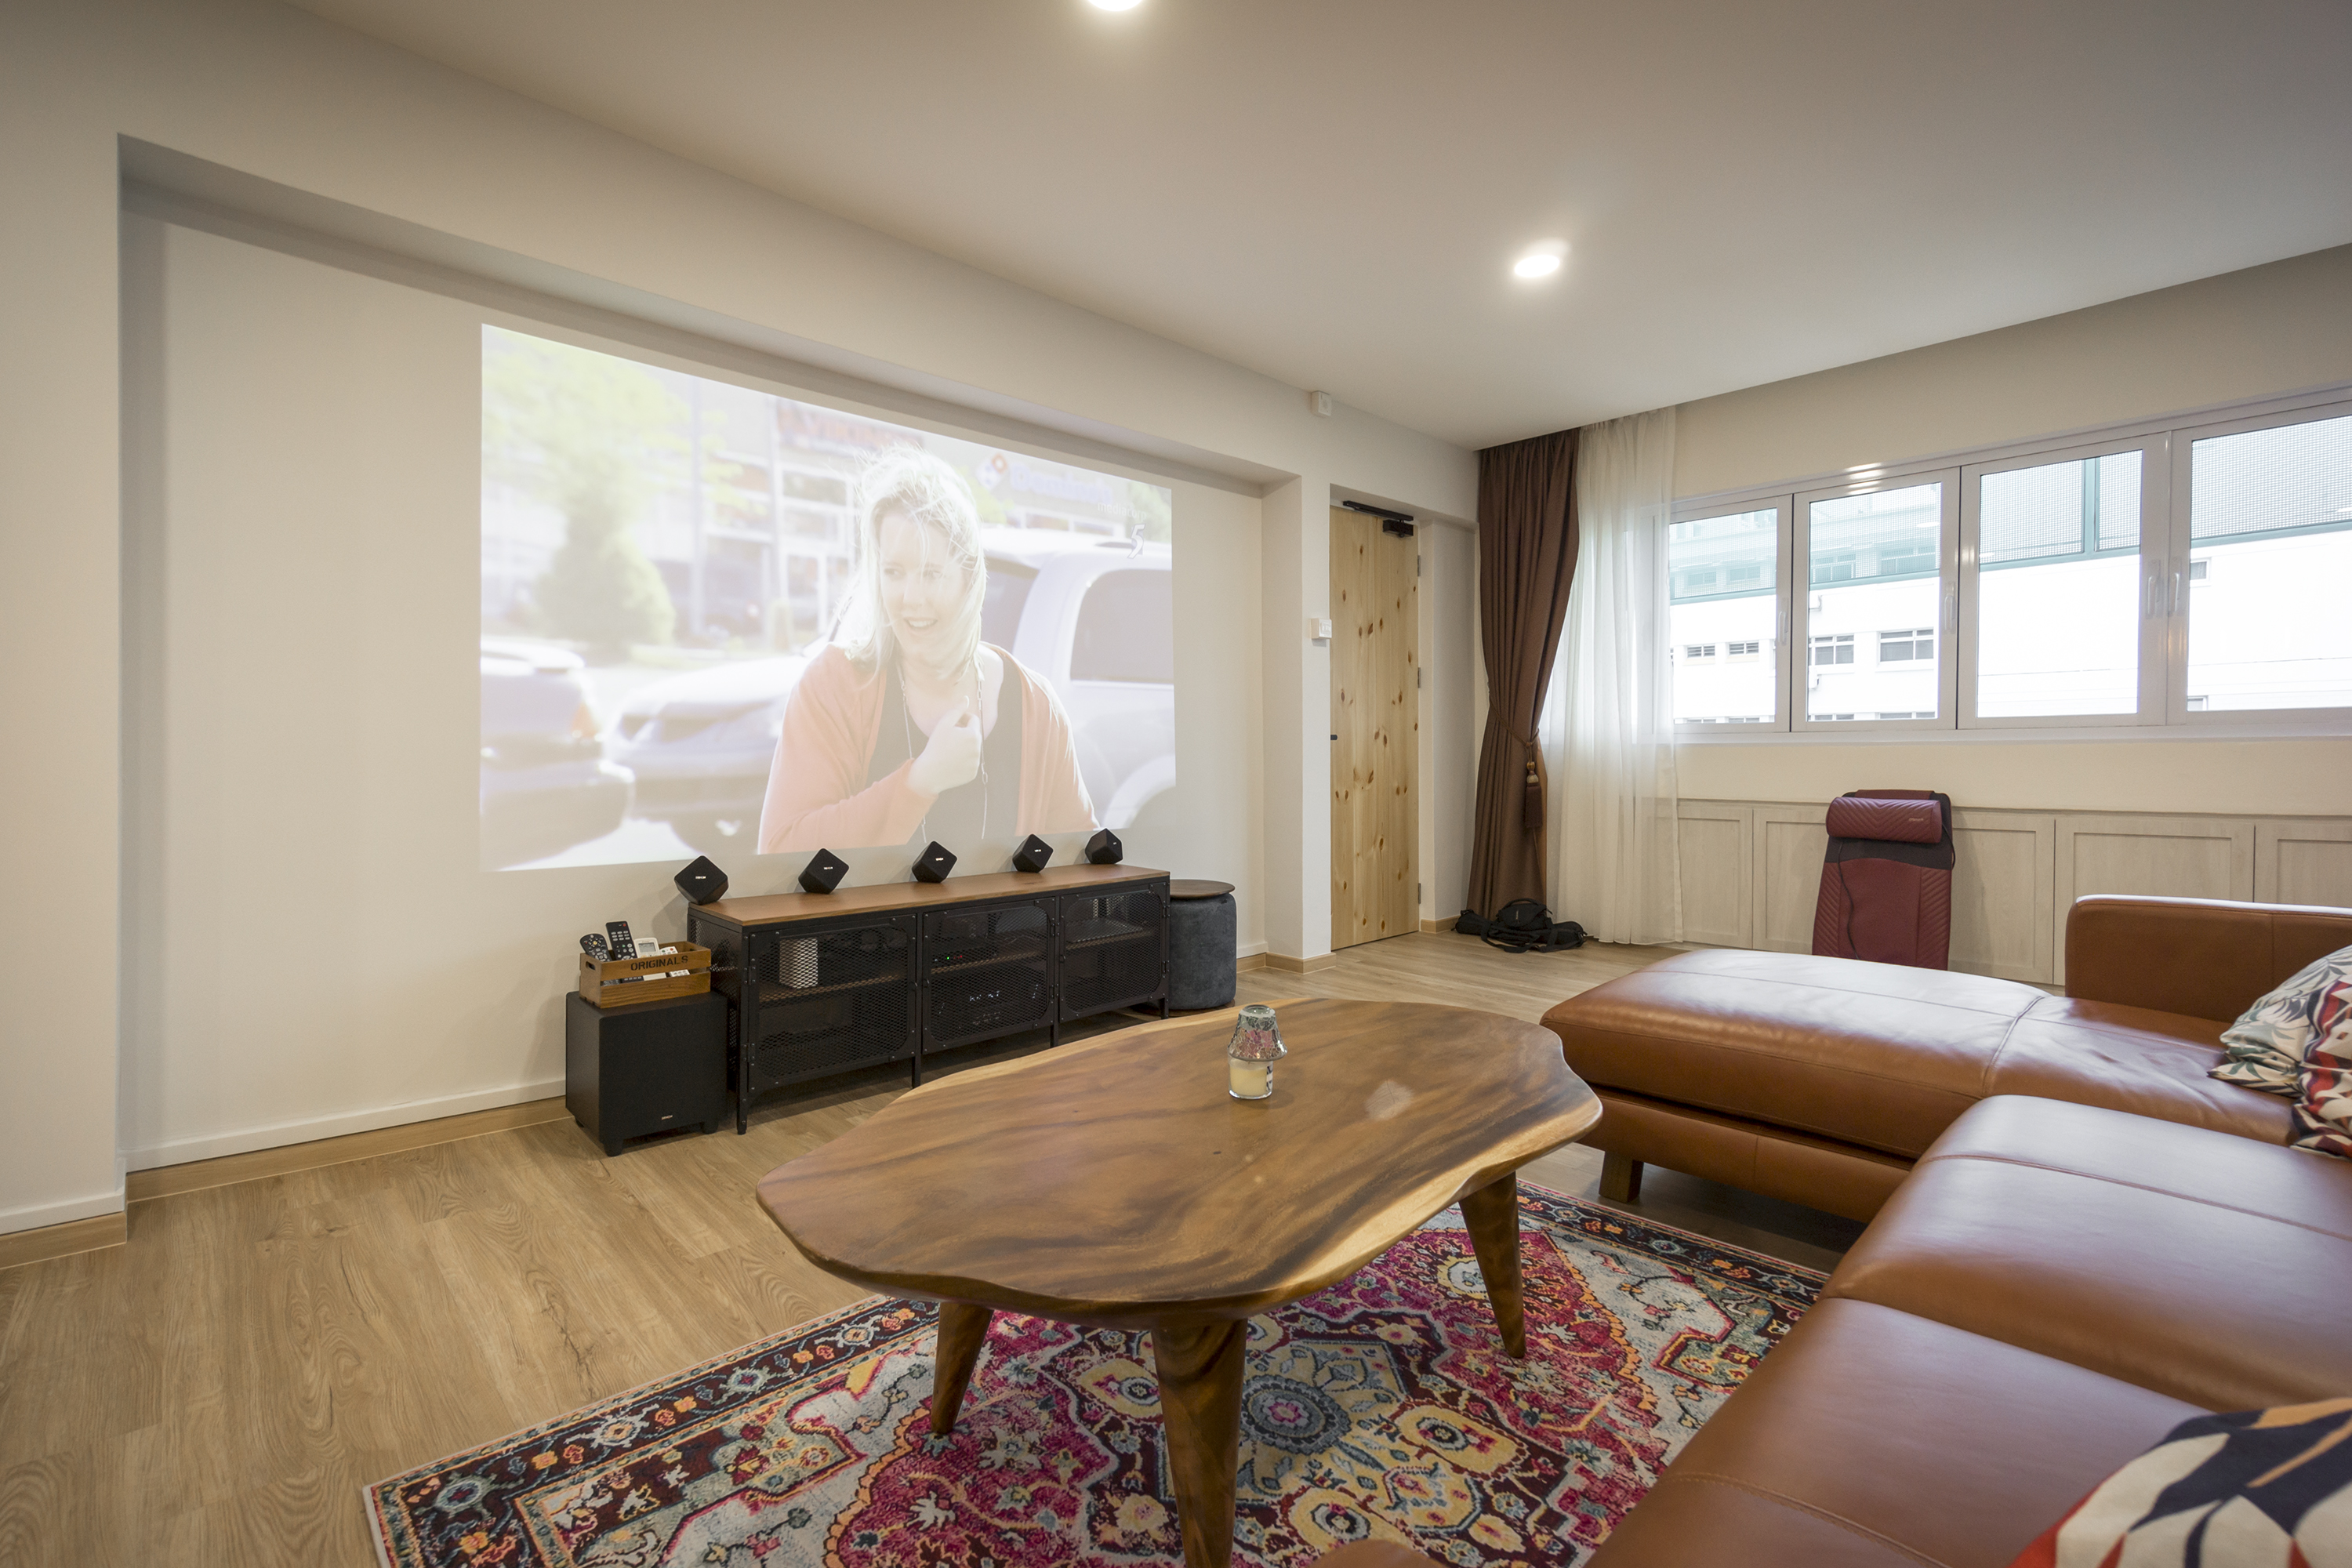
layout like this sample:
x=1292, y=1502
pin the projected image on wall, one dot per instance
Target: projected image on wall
x=719, y=621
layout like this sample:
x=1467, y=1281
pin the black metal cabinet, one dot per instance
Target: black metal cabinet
x=811, y=992
x=1114, y=950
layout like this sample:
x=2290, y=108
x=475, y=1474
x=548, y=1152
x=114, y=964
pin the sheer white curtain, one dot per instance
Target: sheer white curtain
x=1608, y=728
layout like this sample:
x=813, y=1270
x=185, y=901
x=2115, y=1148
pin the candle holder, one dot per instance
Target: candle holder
x=1249, y=1059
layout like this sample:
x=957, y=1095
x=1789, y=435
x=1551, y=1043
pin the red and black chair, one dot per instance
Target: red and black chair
x=1886, y=882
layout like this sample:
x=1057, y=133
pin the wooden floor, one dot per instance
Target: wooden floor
x=220, y=1389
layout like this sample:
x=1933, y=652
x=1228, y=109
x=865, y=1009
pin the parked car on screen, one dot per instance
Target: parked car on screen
x=546, y=783
x=1093, y=617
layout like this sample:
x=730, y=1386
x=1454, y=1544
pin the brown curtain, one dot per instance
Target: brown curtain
x=1527, y=556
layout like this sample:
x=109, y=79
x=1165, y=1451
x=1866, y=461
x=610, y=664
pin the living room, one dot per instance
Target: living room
x=254, y=249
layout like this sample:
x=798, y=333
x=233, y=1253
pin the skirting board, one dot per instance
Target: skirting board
x=229, y=1169
x=1248, y=962
x=1290, y=965
x=1445, y=924
x=318, y=1129
x=40, y=1245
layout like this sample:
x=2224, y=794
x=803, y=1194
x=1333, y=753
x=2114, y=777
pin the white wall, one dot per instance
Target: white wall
x=2267, y=331
x=283, y=97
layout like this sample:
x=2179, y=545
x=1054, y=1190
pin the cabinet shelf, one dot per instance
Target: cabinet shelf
x=771, y=992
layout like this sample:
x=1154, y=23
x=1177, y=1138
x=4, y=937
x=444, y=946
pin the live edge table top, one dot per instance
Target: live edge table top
x=1116, y=1182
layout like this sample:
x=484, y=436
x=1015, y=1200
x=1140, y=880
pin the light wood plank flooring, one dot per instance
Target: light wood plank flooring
x=219, y=1390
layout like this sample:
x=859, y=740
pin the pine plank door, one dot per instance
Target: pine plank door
x=1375, y=730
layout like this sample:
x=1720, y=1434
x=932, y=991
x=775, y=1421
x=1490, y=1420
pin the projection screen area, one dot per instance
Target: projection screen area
x=718, y=620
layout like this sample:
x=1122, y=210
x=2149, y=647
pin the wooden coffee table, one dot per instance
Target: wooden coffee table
x=1116, y=1184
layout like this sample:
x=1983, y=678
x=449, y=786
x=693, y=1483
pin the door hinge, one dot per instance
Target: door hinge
x=1416, y=566
x=1416, y=892
x=1416, y=677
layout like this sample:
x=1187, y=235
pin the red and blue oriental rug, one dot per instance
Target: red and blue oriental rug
x=1381, y=1407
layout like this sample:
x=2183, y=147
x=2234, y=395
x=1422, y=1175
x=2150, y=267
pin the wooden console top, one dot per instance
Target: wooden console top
x=779, y=909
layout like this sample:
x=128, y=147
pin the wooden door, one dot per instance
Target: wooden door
x=1375, y=730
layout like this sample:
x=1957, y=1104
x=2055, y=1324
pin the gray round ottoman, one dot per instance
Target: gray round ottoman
x=1201, y=934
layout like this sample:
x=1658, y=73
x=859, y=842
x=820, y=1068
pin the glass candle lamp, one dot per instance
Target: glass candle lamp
x=1249, y=1060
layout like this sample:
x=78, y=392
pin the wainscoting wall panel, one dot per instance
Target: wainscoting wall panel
x=1718, y=873
x=1790, y=844
x=2003, y=905
x=1752, y=870
x=2299, y=862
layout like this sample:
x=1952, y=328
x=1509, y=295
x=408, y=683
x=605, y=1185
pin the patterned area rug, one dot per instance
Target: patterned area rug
x=1383, y=1405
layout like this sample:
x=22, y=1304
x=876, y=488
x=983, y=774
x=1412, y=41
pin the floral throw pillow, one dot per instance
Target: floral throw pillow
x=2323, y=1116
x=2265, y=1048
x=2256, y=1489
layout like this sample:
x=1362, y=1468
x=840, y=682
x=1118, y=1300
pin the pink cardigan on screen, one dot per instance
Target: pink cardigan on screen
x=817, y=794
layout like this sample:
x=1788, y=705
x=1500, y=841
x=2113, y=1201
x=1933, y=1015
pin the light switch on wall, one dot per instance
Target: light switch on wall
x=1319, y=630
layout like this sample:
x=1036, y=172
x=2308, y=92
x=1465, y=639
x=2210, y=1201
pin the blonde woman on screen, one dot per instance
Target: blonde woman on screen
x=907, y=727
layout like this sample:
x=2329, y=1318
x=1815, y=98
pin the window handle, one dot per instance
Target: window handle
x=2176, y=577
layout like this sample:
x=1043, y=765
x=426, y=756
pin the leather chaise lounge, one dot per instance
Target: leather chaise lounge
x=1822, y=1079
x=2080, y=1239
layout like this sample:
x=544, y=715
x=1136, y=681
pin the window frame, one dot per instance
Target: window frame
x=1947, y=579
x=2177, y=714
x=2178, y=430
x=2155, y=551
x=1780, y=503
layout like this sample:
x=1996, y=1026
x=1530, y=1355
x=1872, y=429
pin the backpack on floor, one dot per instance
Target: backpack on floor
x=1523, y=925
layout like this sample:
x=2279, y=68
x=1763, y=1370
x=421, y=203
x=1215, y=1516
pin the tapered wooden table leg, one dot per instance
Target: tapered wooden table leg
x=963, y=1329
x=1492, y=1213
x=1201, y=1410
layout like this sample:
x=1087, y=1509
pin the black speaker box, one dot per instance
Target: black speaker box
x=1105, y=849
x=824, y=872
x=1033, y=854
x=935, y=864
x=702, y=882
x=654, y=1066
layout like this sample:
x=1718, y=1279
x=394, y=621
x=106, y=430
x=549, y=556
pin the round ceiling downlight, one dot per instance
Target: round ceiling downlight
x=1537, y=264
x=1115, y=4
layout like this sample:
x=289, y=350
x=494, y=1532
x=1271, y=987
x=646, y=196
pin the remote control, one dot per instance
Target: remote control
x=624, y=944
x=593, y=946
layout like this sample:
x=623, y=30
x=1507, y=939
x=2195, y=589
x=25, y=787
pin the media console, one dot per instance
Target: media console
x=820, y=984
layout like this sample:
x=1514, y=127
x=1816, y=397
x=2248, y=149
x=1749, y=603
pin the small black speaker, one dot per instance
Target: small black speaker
x=702, y=882
x=1033, y=854
x=1105, y=849
x=824, y=872
x=935, y=863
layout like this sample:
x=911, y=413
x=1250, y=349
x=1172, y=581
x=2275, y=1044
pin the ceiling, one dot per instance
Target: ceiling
x=1331, y=192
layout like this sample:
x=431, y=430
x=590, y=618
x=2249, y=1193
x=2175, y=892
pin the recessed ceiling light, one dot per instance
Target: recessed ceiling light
x=1537, y=264
x=1116, y=4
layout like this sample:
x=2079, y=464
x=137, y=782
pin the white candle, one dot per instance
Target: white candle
x=1248, y=1079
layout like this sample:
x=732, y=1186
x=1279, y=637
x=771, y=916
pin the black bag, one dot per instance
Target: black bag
x=1523, y=925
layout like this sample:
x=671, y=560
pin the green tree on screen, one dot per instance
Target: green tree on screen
x=585, y=432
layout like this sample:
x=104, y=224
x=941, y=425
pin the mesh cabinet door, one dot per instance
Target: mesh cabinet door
x=832, y=999
x=1114, y=950
x=987, y=970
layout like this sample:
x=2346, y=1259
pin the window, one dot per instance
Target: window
x=1874, y=557
x=2057, y=588
x=2179, y=573
x=2273, y=508
x=1724, y=594
x=1916, y=643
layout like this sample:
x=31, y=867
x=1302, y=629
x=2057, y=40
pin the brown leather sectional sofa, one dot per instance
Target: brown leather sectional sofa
x=2080, y=1239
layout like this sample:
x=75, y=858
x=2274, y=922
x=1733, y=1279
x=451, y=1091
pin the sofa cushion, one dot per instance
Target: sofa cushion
x=2322, y=1107
x=2130, y=1059
x=1870, y=1438
x=2252, y=1486
x=1885, y=1056
x=2265, y=1047
x=2208, y=1267
x=1874, y=1054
